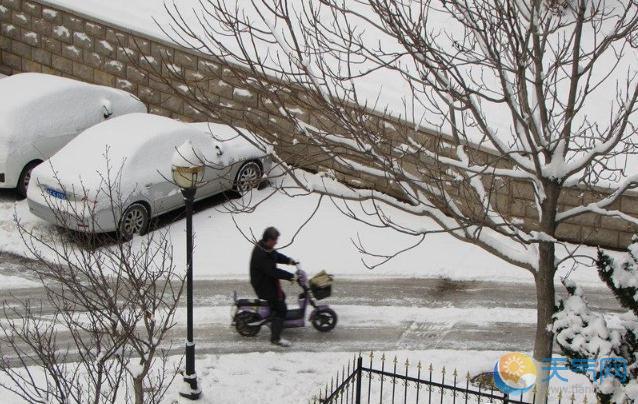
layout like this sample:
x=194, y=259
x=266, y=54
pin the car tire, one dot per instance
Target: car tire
x=134, y=220
x=248, y=177
x=25, y=177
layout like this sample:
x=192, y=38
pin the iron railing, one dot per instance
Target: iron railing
x=395, y=384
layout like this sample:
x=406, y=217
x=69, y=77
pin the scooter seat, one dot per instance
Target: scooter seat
x=252, y=302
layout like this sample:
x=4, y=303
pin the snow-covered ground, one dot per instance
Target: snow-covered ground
x=325, y=242
x=295, y=377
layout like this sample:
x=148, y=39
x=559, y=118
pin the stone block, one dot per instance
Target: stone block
x=83, y=71
x=161, y=52
x=30, y=38
x=115, y=67
x=62, y=64
x=62, y=33
x=172, y=103
x=5, y=43
x=42, y=26
x=10, y=30
x=157, y=110
x=50, y=70
x=72, y=52
x=566, y=231
x=52, y=45
x=82, y=40
x=149, y=63
x=21, y=19
x=105, y=79
x=125, y=85
x=31, y=66
x=5, y=14
x=42, y=56
x=148, y=95
x=31, y=8
x=600, y=237
x=136, y=75
x=126, y=55
x=140, y=45
x=629, y=204
x=12, y=4
x=11, y=60
x=221, y=88
x=185, y=59
x=93, y=59
x=95, y=30
x=72, y=22
x=105, y=48
x=208, y=68
x=116, y=38
x=51, y=15
x=21, y=49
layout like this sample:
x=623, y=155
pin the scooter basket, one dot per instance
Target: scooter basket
x=321, y=285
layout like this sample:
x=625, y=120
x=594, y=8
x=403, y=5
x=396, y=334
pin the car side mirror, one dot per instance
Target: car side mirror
x=107, y=112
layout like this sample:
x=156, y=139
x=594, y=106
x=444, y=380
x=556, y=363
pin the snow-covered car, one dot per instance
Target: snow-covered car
x=116, y=176
x=40, y=113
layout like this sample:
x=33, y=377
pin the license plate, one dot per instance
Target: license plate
x=56, y=194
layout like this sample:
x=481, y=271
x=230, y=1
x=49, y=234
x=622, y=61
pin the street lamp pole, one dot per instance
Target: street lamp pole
x=188, y=173
x=190, y=376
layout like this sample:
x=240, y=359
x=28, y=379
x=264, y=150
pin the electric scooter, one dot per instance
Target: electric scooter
x=251, y=314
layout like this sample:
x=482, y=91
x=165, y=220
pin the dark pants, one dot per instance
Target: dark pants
x=278, y=314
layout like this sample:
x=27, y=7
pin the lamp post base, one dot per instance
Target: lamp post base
x=190, y=389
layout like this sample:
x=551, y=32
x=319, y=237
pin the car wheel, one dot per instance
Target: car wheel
x=135, y=220
x=25, y=177
x=248, y=177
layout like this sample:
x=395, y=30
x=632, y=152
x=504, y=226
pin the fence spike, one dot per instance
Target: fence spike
x=585, y=400
x=383, y=357
x=407, y=363
x=371, y=355
x=395, y=361
x=418, y=366
x=560, y=394
x=455, y=373
x=573, y=397
x=467, y=376
x=443, y=370
x=430, y=368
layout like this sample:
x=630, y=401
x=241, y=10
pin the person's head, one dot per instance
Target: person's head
x=270, y=237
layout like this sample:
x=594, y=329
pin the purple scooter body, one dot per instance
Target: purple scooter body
x=250, y=314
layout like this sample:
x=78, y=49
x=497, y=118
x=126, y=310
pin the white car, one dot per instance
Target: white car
x=116, y=176
x=40, y=113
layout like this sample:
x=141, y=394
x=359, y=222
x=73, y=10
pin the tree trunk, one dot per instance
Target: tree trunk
x=545, y=300
x=545, y=292
x=138, y=388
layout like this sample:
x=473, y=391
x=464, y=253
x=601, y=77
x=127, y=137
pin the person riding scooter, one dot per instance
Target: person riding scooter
x=265, y=278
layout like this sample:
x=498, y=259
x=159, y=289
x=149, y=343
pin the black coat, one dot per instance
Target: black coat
x=264, y=274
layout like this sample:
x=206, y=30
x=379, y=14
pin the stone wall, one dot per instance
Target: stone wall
x=37, y=37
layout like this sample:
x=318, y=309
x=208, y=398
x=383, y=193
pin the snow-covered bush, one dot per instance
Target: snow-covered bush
x=587, y=340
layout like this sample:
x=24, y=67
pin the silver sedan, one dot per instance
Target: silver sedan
x=116, y=176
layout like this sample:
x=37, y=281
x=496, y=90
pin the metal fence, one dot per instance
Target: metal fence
x=392, y=382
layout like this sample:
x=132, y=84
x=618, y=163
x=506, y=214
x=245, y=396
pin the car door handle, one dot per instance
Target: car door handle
x=148, y=185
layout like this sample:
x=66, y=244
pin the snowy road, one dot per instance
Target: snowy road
x=379, y=315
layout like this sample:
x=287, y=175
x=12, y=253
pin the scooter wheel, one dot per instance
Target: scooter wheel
x=242, y=323
x=324, y=320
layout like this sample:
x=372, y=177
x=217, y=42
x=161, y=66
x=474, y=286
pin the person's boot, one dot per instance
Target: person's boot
x=283, y=343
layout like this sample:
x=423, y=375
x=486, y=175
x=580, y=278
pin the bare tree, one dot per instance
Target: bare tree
x=99, y=334
x=497, y=93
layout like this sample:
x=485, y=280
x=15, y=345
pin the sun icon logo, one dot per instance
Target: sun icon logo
x=514, y=373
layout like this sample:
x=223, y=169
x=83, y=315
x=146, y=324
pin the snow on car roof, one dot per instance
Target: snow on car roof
x=25, y=87
x=42, y=104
